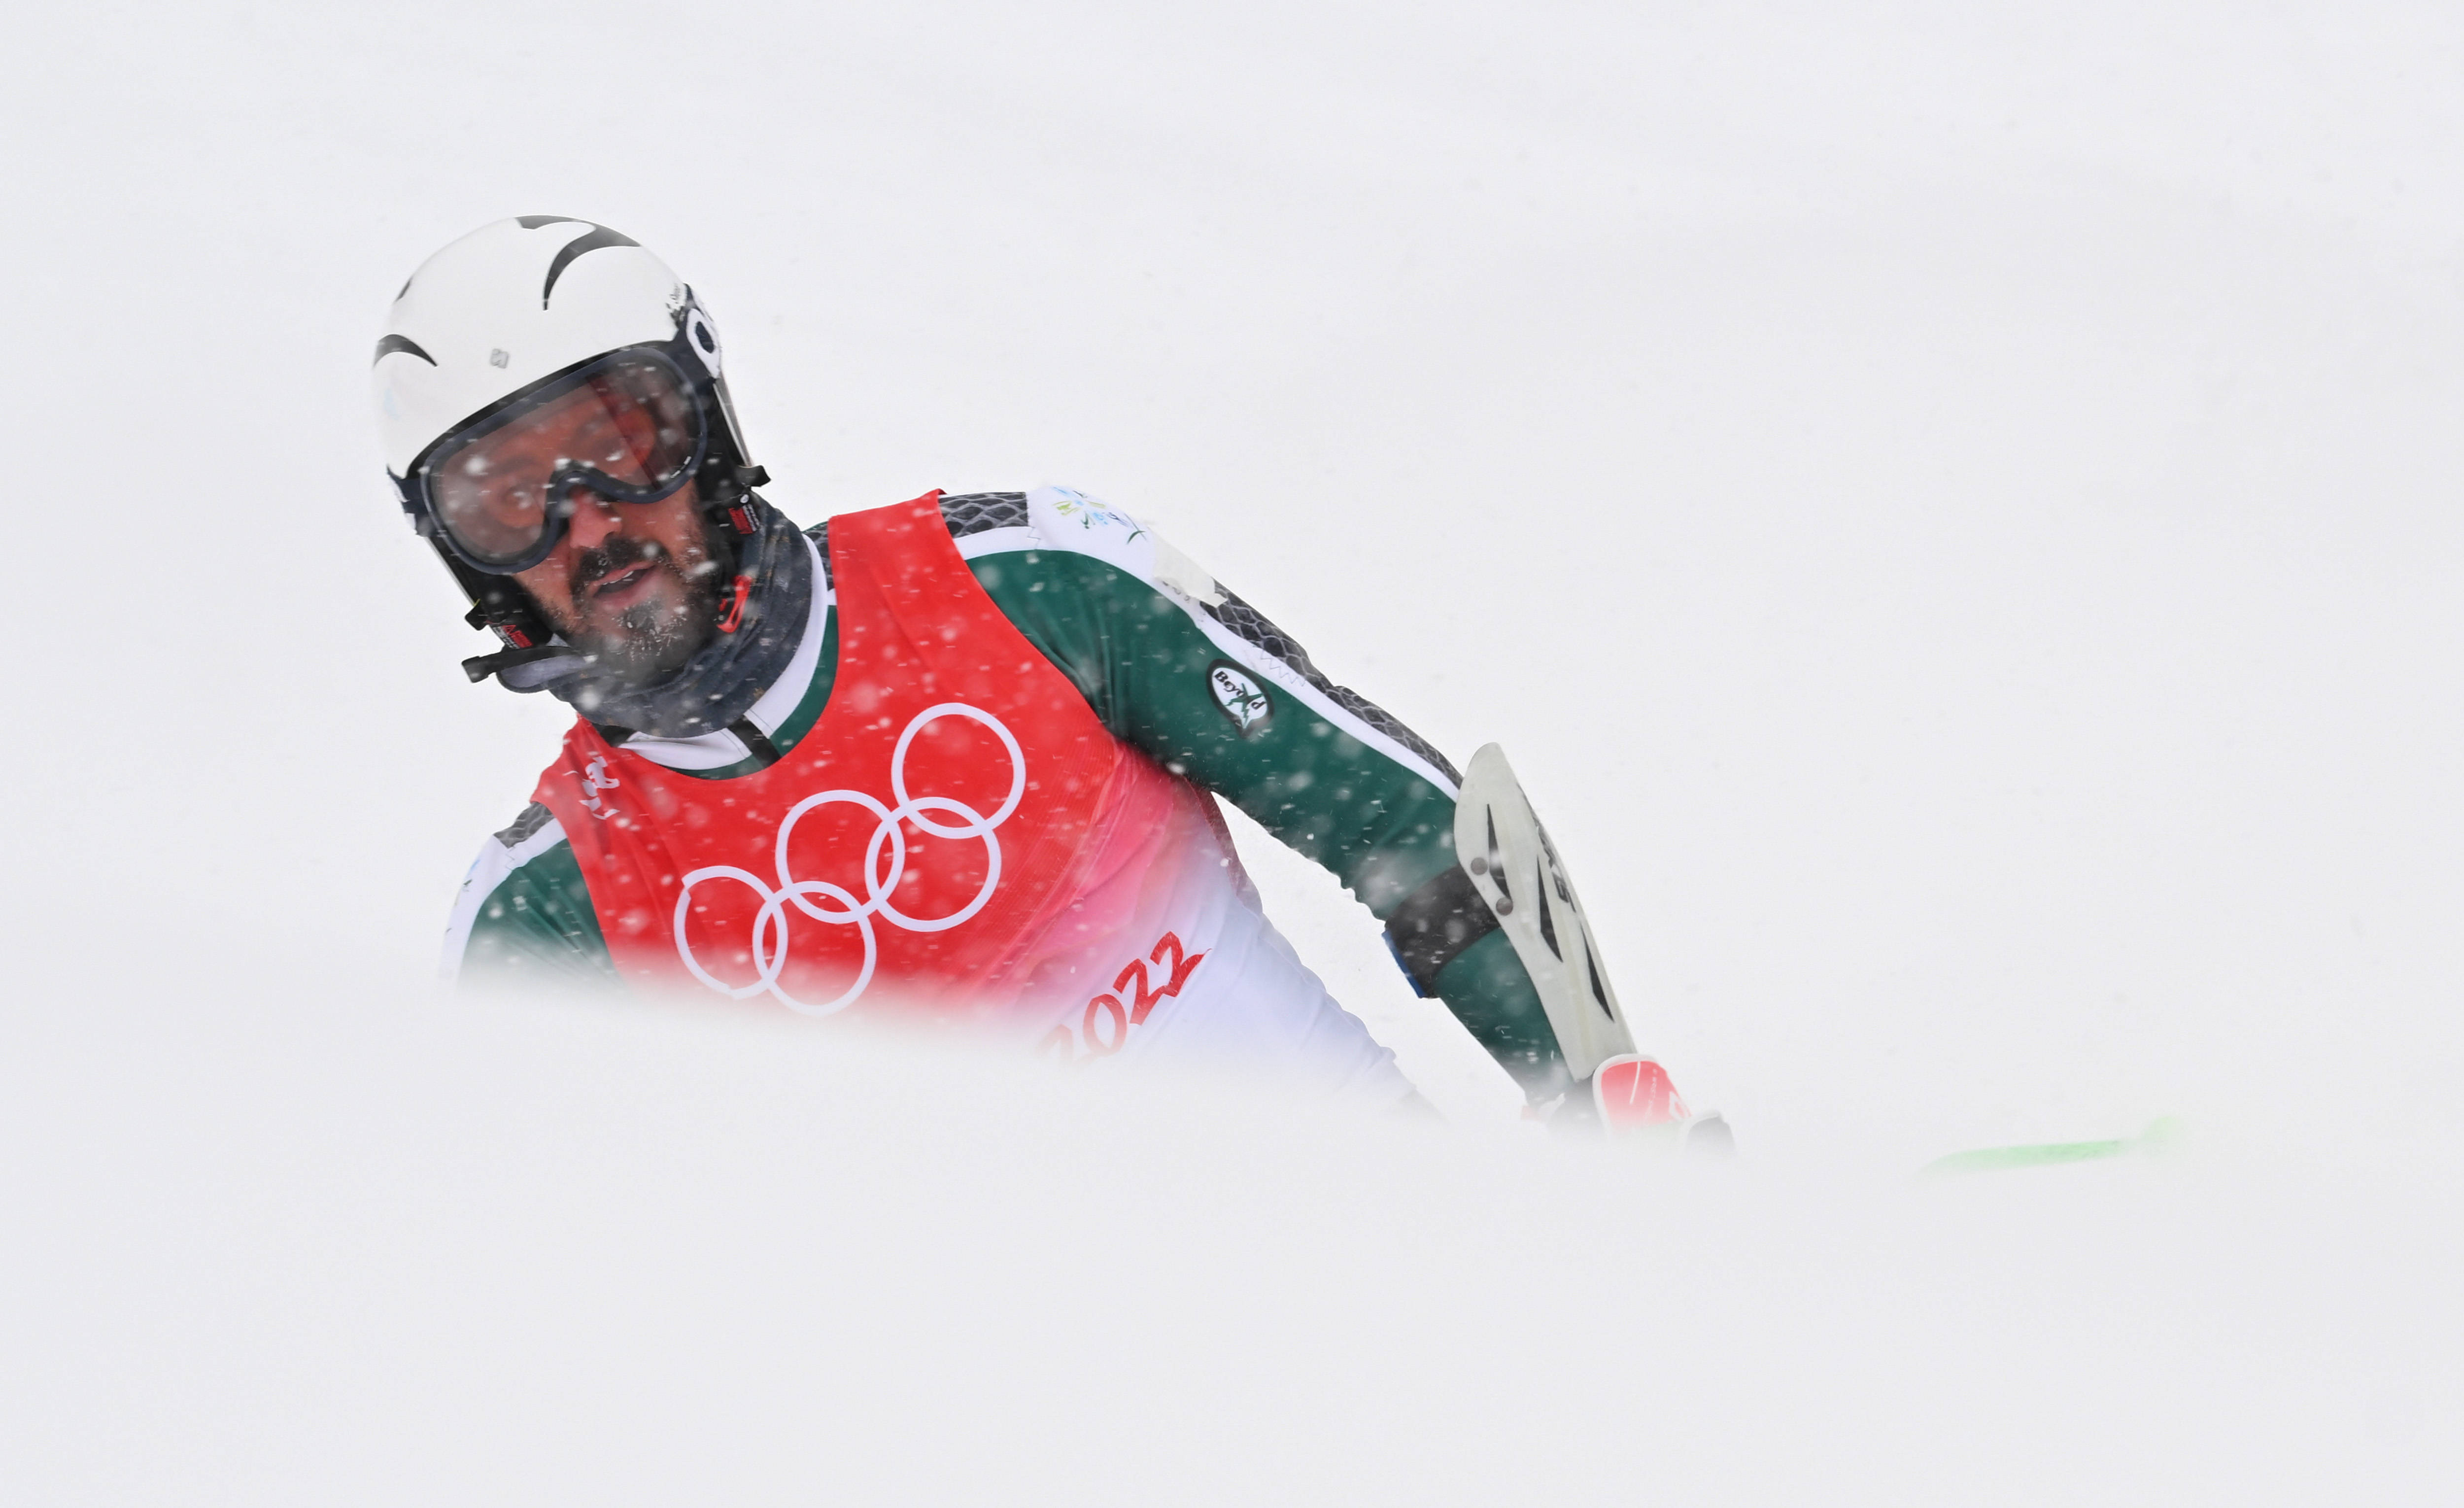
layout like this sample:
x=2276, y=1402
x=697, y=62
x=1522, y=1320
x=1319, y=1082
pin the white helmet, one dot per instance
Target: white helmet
x=510, y=316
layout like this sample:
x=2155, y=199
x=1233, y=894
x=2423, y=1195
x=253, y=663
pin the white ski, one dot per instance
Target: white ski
x=1500, y=843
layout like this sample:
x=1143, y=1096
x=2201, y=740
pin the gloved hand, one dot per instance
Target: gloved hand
x=1630, y=1099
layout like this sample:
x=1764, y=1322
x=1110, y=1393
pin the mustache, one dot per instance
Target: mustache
x=619, y=553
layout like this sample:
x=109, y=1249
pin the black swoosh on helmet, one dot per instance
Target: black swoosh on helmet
x=596, y=238
x=403, y=344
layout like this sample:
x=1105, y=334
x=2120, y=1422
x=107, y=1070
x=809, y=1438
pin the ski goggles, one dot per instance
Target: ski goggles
x=628, y=427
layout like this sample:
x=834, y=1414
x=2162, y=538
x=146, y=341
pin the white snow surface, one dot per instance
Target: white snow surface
x=1953, y=509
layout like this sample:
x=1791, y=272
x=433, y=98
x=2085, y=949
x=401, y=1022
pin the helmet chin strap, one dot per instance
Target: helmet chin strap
x=524, y=670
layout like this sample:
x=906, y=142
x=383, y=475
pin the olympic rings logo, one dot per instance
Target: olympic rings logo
x=770, y=925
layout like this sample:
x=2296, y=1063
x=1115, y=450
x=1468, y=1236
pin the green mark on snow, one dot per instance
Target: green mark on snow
x=2161, y=1136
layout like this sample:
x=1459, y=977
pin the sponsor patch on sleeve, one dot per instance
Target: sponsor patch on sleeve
x=1240, y=697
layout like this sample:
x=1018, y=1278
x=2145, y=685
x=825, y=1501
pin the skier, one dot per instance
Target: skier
x=957, y=755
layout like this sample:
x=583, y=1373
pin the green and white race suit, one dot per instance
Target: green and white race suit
x=1172, y=663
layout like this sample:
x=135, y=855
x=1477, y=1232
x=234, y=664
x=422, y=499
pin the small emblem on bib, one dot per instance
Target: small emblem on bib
x=595, y=779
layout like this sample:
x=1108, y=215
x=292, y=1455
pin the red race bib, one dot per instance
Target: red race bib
x=954, y=795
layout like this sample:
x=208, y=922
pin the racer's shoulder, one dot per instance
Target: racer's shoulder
x=529, y=836
x=1037, y=519
x=524, y=870
x=1060, y=523
x=1063, y=522
x=974, y=521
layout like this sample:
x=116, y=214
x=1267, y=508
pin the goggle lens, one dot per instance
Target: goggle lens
x=628, y=431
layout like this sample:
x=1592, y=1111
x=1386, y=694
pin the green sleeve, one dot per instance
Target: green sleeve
x=536, y=925
x=1145, y=663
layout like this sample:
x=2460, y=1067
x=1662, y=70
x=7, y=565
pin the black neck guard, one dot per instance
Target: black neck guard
x=719, y=684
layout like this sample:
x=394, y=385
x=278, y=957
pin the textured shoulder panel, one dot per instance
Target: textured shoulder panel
x=964, y=513
x=1254, y=626
x=534, y=817
x=973, y=513
x=819, y=535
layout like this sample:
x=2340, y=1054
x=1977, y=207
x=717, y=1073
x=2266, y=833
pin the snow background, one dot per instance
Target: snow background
x=1951, y=509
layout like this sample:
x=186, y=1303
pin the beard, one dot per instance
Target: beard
x=654, y=638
